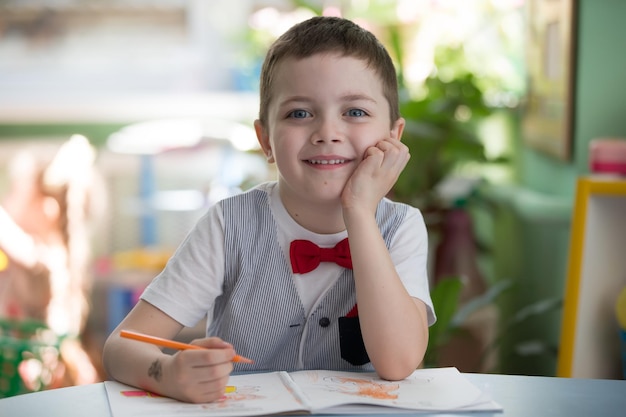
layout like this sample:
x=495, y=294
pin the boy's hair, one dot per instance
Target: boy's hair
x=324, y=34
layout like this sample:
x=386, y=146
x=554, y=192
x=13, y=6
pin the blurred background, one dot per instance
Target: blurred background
x=165, y=93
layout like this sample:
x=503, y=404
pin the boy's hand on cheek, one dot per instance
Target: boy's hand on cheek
x=376, y=174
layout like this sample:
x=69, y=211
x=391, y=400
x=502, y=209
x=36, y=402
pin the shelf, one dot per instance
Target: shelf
x=589, y=345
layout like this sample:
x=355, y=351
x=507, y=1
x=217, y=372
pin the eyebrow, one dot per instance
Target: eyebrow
x=358, y=97
x=344, y=98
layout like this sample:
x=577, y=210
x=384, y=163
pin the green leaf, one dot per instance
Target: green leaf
x=535, y=309
x=485, y=299
x=445, y=296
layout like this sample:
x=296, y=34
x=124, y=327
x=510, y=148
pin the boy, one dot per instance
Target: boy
x=329, y=119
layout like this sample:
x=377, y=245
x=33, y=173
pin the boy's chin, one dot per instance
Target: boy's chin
x=322, y=192
x=328, y=195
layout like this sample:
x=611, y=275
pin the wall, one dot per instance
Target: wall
x=600, y=103
x=531, y=221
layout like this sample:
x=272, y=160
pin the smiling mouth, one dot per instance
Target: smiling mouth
x=327, y=161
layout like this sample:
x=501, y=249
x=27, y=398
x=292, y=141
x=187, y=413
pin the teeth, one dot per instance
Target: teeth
x=328, y=162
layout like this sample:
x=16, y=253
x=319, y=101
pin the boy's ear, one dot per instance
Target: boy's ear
x=398, y=128
x=263, y=137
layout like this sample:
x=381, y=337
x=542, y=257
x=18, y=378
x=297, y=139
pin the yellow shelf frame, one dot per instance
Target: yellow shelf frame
x=586, y=189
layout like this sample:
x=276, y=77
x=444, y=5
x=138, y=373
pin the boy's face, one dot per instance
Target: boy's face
x=326, y=110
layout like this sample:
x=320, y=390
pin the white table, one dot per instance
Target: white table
x=520, y=396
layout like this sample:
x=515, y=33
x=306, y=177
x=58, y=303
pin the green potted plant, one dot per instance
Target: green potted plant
x=441, y=135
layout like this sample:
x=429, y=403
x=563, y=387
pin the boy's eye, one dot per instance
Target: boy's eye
x=299, y=114
x=356, y=113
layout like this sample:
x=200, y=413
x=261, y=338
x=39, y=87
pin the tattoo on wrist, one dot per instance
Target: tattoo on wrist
x=155, y=370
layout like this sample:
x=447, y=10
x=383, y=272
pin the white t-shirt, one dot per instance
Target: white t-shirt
x=193, y=278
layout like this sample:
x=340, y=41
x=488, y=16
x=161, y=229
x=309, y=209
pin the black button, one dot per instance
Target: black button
x=324, y=322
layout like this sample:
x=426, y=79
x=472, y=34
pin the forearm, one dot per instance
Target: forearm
x=393, y=324
x=135, y=363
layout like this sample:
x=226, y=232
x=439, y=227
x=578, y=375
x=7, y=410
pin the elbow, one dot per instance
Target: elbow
x=397, y=370
x=396, y=373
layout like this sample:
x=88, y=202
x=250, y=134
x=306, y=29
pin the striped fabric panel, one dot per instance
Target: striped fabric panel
x=260, y=311
x=389, y=216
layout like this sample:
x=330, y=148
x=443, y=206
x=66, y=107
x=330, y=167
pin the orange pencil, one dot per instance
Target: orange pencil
x=171, y=343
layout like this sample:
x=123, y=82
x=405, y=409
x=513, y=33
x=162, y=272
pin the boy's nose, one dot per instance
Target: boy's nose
x=327, y=130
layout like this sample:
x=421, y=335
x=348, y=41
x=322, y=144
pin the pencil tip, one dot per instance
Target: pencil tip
x=241, y=359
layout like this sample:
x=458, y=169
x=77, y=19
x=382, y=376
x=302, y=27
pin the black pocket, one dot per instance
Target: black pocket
x=351, y=341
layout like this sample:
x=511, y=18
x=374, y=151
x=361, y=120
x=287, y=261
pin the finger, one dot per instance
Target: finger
x=207, y=391
x=190, y=371
x=211, y=372
x=212, y=343
x=387, y=145
x=214, y=390
x=373, y=158
x=395, y=155
x=206, y=357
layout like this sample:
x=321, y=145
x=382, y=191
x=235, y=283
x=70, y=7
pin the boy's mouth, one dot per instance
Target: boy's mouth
x=326, y=161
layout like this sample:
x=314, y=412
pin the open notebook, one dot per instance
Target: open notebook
x=315, y=392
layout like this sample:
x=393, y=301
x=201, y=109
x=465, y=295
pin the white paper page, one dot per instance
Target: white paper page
x=254, y=394
x=439, y=389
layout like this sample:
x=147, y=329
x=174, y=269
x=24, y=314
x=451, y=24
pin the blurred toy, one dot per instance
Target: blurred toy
x=44, y=236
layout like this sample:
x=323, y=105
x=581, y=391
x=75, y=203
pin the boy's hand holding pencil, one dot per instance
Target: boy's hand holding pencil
x=197, y=374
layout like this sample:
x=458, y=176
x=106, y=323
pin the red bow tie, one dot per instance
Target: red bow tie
x=306, y=256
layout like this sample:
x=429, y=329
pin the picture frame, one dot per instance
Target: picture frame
x=548, y=110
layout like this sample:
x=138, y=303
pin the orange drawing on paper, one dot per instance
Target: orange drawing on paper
x=365, y=388
x=235, y=396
